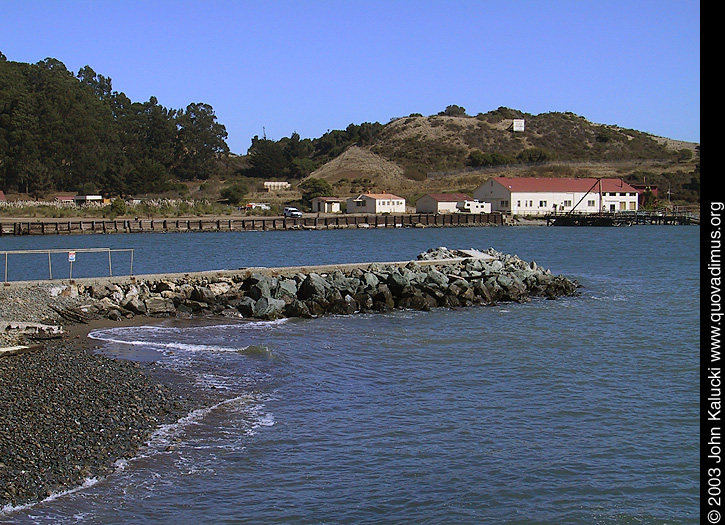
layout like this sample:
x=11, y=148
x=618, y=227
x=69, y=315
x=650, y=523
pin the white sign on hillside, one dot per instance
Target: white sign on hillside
x=518, y=124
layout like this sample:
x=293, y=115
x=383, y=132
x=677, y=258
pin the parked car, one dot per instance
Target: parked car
x=289, y=211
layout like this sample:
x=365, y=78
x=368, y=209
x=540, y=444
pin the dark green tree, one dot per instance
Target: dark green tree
x=200, y=142
x=312, y=188
x=453, y=111
x=235, y=192
x=535, y=155
x=267, y=159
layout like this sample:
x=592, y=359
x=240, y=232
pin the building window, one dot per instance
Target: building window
x=504, y=204
x=542, y=204
x=567, y=203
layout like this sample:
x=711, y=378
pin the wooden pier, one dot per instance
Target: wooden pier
x=327, y=222
x=620, y=219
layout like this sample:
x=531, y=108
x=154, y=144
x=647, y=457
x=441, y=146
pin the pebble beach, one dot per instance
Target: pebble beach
x=68, y=415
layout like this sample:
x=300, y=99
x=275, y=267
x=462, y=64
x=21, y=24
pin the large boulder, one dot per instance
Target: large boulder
x=246, y=306
x=135, y=305
x=203, y=294
x=159, y=306
x=314, y=285
x=269, y=308
x=286, y=288
x=262, y=288
x=297, y=308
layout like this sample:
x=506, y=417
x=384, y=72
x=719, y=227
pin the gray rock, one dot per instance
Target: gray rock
x=159, y=306
x=314, y=285
x=297, y=308
x=100, y=291
x=260, y=289
x=286, y=287
x=246, y=306
x=269, y=308
x=135, y=305
x=203, y=294
x=369, y=281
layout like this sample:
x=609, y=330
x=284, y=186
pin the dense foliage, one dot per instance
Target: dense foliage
x=65, y=132
x=295, y=158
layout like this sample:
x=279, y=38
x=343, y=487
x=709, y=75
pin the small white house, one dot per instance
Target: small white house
x=376, y=203
x=450, y=203
x=543, y=196
x=326, y=205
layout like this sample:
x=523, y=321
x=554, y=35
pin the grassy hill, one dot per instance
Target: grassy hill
x=415, y=155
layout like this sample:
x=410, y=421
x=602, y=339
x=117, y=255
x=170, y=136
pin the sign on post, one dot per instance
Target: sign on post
x=71, y=258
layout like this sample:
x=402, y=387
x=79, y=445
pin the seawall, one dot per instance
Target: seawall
x=324, y=222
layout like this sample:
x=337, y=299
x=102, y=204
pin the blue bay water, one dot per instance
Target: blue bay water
x=578, y=410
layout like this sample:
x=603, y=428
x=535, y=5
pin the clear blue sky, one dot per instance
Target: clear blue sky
x=309, y=66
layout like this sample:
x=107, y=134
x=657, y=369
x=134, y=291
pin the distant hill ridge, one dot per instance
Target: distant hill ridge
x=408, y=152
x=443, y=142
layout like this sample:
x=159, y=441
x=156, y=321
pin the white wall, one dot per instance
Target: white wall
x=428, y=204
x=542, y=203
x=365, y=204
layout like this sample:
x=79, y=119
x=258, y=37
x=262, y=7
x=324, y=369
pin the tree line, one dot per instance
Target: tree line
x=61, y=131
x=295, y=158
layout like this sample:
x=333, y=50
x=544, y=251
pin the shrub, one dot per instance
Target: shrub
x=234, y=193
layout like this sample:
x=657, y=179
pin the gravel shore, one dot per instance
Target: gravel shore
x=33, y=305
x=67, y=413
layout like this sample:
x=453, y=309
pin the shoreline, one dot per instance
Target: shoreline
x=71, y=413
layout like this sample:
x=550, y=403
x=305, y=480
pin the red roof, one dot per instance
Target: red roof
x=449, y=197
x=2, y=195
x=533, y=185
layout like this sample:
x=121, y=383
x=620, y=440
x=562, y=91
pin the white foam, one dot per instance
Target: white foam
x=187, y=347
x=87, y=483
x=165, y=433
x=168, y=338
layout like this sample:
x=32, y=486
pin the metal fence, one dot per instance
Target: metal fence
x=71, y=258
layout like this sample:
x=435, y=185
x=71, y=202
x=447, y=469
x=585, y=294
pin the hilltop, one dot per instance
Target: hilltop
x=414, y=155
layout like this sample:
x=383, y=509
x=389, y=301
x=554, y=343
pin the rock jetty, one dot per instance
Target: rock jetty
x=438, y=278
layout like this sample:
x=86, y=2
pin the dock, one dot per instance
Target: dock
x=327, y=222
x=621, y=219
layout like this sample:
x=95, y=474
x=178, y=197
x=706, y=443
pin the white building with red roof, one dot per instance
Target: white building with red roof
x=376, y=203
x=543, y=196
